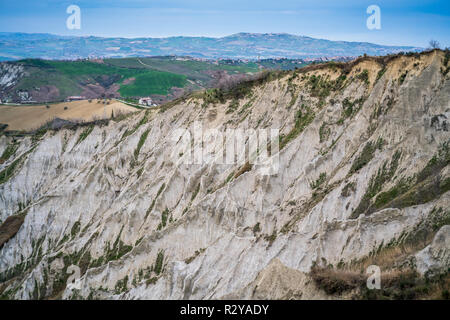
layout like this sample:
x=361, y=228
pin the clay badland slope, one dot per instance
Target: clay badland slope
x=362, y=179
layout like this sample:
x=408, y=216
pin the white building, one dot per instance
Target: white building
x=75, y=98
x=147, y=101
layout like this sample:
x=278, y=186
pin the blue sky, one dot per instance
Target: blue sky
x=409, y=22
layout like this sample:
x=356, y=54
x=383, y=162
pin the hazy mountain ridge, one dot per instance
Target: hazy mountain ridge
x=241, y=45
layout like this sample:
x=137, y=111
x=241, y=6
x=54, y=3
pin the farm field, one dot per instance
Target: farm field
x=27, y=118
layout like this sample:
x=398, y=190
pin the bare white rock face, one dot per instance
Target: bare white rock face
x=436, y=256
x=116, y=202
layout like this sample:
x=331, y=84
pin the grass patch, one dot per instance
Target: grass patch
x=194, y=195
x=348, y=189
x=426, y=186
x=303, y=118
x=85, y=133
x=364, y=76
x=121, y=285
x=324, y=132
x=140, y=143
x=384, y=174
x=234, y=105
x=293, y=100
x=402, y=78
x=8, y=172
x=8, y=152
x=141, y=122
x=366, y=155
x=154, y=200
x=317, y=183
x=117, y=251
x=213, y=96
x=321, y=87
x=336, y=281
x=195, y=255
x=380, y=73
x=404, y=284
x=164, y=216
x=271, y=238
x=159, y=264
x=349, y=109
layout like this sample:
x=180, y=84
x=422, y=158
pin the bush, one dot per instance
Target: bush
x=141, y=143
x=366, y=155
x=303, y=118
x=385, y=173
x=86, y=132
x=364, y=76
x=316, y=184
x=159, y=262
x=336, y=281
x=348, y=189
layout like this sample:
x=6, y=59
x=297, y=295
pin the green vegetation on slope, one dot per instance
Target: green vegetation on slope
x=152, y=82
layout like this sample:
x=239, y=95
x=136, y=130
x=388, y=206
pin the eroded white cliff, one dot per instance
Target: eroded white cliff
x=142, y=225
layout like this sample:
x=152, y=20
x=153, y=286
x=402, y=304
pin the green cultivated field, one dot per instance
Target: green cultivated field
x=152, y=82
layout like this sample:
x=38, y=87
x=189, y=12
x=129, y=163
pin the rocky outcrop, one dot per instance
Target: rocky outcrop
x=435, y=258
x=361, y=165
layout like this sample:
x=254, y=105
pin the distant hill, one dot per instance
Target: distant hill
x=162, y=78
x=241, y=45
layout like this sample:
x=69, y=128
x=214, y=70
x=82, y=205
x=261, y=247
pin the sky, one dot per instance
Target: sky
x=411, y=22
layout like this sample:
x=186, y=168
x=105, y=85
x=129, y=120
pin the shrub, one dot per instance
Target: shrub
x=324, y=132
x=8, y=172
x=380, y=73
x=85, y=133
x=303, y=118
x=402, y=77
x=317, y=183
x=8, y=152
x=336, y=281
x=159, y=262
x=385, y=173
x=366, y=155
x=427, y=186
x=121, y=285
x=141, y=143
x=348, y=189
x=364, y=76
x=164, y=216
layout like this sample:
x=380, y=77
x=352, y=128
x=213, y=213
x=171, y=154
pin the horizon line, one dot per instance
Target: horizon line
x=211, y=37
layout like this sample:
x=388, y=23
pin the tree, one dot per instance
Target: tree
x=434, y=44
